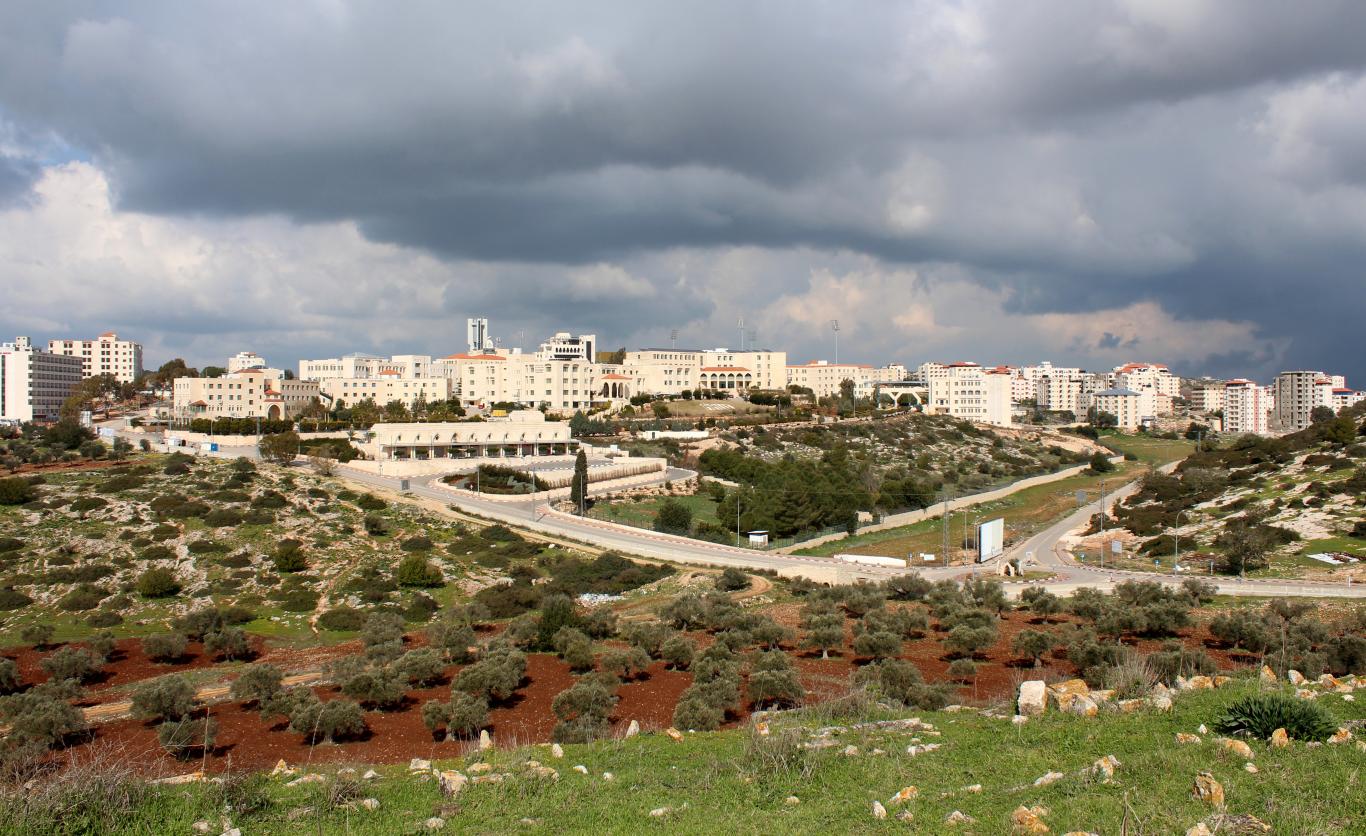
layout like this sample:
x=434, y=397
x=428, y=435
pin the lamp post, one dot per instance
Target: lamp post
x=1176, y=537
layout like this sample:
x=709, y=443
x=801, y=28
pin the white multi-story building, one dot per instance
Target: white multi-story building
x=1344, y=397
x=1131, y=409
x=1031, y=375
x=249, y=393
x=348, y=366
x=384, y=389
x=521, y=434
x=244, y=360
x=1061, y=391
x=766, y=369
x=966, y=390
x=1297, y=393
x=824, y=378
x=33, y=383
x=1247, y=408
x=562, y=346
x=477, y=337
x=106, y=355
x=663, y=371
x=1208, y=397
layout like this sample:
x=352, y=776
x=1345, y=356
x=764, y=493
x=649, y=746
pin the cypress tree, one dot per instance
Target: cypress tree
x=578, y=487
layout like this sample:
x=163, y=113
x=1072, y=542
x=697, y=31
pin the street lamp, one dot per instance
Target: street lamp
x=835, y=326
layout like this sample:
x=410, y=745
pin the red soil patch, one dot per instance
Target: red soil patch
x=128, y=664
x=67, y=467
x=651, y=701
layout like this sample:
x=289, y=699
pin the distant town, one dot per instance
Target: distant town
x=570, y=374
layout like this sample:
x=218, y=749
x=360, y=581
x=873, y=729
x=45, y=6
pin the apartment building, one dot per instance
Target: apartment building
x=1247, y=407
x=562, y=346
x=766, y=369
x=384, y=389
x=663, y=371
x=33, y=383
x=1029, y=377
x=1061, y=391
x=824, y=378
x=1344, y=397
x=249, y=393
x=1130, y=408
x=966, y=390
x=347, y=366
x=243, y=360
x=1208, y=397
x=1296, y=395
x=106, y=355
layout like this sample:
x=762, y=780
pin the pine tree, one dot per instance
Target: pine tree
x=578, y=487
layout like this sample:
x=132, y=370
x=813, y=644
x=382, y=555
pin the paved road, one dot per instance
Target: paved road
x=1046, y=545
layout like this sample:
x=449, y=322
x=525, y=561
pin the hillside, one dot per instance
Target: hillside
x=1259, y=505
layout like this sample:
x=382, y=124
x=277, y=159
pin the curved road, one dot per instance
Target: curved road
x=1046, y=545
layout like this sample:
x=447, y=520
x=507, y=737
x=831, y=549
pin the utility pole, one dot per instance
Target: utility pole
x=1176, y=537
x=737, y=517
x=945, y=518
x=835, y=326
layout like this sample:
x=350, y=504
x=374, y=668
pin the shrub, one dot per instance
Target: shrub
x=184, y=736
x=39, y=635
x=649, y=636
x=40, y=719
x=773, y=680
x=415, y=570
x=199, y=623
x=88, y=503
x=416, y=544
x=157, y=553
x=258, y=683
x=583, y=710
x=375, y=525
x=223, y=518
x=678, y=652
x=157, y=583
x=900, y=681
x=170, y=697
x=420, y=667
x=165, y=647
x=13, y=599
x=962, y=669
x=73, y=663
x=382, y=628
x=9, y=676
x=10, y=544
x=342, y=619
x=696, y=714
x=877, y=645
x=494, y=677
x=451, y=637
x=370, y=502
x=626, y=663
x=600, y=623
x=1261, y=714
x=327, y=722
x=228, y=643
x=289, y=557
x=463, y=716
x=379, y=686
x=673, y=517
x=16, y=491
x=104, y=618
x=732, y=580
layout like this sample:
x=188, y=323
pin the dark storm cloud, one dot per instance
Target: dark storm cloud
x=1081, y=156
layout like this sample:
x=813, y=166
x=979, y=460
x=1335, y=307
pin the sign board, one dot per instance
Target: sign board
x=86, y=418
x=403, y=485
x=106, y=432
x=1116, y=547
x=927, y=557
x=990, y=539
x=1081, y=498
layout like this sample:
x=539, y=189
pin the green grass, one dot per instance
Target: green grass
x=1149, y=449
x=1026, y=512
x=733, y=782
x=641, y=513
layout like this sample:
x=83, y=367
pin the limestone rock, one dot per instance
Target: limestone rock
x=607, y=776
x=1200, y=683
x=282, y=768
x=762, y=729
x=480, y=768
x=370, y=804
x=231, y=831
x=202, y=827
x=1025, y=820
x=674, y=734
x=1294, y=677
x=1183, y=738
x=850, y=751
x=792, y=801
x=1083, y=706
x=1019, y=720
x=1130, y=706
x=1033, y=696
x=1279, y=739
x=310, y=778
x=452, y=782
x=1208, y=790
x=973, y=788
x=1267, y=675
x=879, y=812
x=434, y=823
x=633, y=729
x=419, y=765
x=1221, y=680
x=1048, y=778
x=581, y=769
x=370, y=775
x=1342, y=735
x=905, y=794
x=1105, y=767
x=1160, y=702
x=1202, y=729
x=485, y=741
x=556, y=750
x=959, y=817
x=1250, y=768
x=1237, y=747
x=906, y=816
x=1199, y=829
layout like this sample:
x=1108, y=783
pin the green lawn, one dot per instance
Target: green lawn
x=641, y=512
x=1149, y=449
x=1025, y=512
x=737, y=782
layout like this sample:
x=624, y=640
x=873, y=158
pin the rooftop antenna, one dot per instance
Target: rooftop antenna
x=835, y=326
x=742, y=333
x=673, y=338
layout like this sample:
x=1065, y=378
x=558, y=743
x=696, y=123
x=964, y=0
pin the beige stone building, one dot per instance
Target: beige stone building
x=245, y=394
x=1247, y=408
x=383, y=389
x=33, y=383
x=522, y=434
x=663, y=371
x=106, y=355
x=824, y=378
x=969, y=391
x=1130, y=408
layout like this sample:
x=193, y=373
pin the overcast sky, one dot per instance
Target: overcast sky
x=1181, y=181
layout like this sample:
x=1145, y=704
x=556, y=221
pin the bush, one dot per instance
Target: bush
x=416, y=544
x=327, y=722
x=962, y=670
x=732, y=580
x=13, y=599
x=184, y=736
x=495, y=677
x=370, y=502
x=900, y=681
x=73, y=663
x=170, y=697
x=201, y=622
x=258, y=683
x=37, y=718
x=342, y=619
x=375, y=525
x=463, y=716
x=380, y=686
x=157, y=583
x=626, y=663
x=452, y=636
x=39, y=635
x=10, y=544
x=228, y=643
x=1034, y=644
x=1261, y=714
x=421, y=667
x=415, y=570
x=696, y=714
x=289, y=557
x=678, y=652
x=773, y=681
x=673, y=517
x=83, y=597
x=165, y=647
x=583, y=710
x=9, y=676
x=16, y=491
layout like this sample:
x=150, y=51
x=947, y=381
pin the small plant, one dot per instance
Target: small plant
x=157, y=583
x=164, y=647
x=1261, y=714
x=182, y=737
x=259, y=683
x=167, y=698
x=416, y=570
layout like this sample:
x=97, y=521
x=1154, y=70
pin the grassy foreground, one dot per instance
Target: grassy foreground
x=736, y=781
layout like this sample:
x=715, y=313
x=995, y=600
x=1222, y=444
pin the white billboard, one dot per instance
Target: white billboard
x=990, y=539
